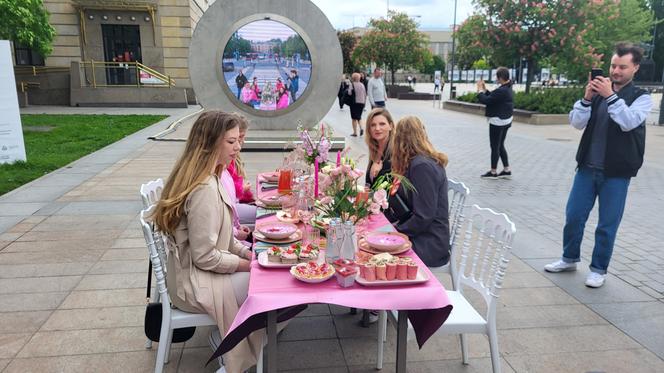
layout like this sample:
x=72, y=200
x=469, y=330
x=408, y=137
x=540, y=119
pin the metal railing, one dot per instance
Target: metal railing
x=122, y=74
x=39, y=70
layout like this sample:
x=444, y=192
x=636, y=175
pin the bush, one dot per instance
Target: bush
x=542, y=100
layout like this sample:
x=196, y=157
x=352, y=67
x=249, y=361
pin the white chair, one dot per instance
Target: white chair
x=171, y=318
x=150, y=194
x=457, y=194
x=484, y=257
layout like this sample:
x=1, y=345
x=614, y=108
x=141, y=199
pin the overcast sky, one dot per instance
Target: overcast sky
x=434, y=14
x=266, y=30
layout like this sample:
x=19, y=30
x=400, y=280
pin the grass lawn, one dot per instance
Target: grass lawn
x=53, y=141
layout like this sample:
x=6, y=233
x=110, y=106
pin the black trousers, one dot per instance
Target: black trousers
x=497, y=135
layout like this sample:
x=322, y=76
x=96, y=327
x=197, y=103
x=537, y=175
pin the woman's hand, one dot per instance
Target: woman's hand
x=243, y=266
x=247, y=187
x=243, y=233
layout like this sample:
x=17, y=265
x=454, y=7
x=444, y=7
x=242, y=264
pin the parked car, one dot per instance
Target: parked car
x=228, y=66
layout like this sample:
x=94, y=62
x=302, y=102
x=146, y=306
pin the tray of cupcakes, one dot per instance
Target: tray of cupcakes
x=286, y=257
x=388, y=270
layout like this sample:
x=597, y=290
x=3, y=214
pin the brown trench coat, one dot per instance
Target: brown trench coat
x=203, y=256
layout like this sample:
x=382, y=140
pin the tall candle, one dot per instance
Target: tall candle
x=338, y=158
x=316, y=178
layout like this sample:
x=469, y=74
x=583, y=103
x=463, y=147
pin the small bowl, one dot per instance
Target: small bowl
x=385, y=241
x=277, y=230
x=272, y=201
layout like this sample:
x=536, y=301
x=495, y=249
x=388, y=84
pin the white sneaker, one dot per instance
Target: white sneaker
x=595, y=280
x=560, y=266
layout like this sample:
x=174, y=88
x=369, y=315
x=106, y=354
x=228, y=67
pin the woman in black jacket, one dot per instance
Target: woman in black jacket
x=499, y=109
x=427, y=224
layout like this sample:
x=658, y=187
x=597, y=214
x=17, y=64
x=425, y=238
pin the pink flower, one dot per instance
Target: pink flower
x=374, y=208
x=380, y=198
x=326, y=200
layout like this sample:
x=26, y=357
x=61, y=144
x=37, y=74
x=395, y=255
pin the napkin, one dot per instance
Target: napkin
x=268, y=186
x=260, y=246
x=262, y=212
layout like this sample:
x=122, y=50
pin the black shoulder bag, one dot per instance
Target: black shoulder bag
x=153, y=316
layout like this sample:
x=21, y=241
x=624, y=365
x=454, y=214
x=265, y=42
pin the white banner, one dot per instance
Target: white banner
x=12, y=148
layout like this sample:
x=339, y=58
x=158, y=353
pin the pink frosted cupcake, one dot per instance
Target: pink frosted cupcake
x=391, y=271
x=412, y=270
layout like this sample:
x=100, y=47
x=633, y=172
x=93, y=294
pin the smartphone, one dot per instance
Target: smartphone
x=594, y=73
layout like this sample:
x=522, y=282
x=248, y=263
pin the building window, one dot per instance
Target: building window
x=26, y=56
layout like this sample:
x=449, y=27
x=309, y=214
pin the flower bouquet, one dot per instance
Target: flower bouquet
x=314, y=143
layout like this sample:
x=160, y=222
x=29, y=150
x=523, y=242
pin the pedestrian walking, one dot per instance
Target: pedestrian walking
x=376, y=90
x=499, y=109
x=612, y=115
x=294, y=86
x=240, y=81
x=358, y=97
x=343, y=87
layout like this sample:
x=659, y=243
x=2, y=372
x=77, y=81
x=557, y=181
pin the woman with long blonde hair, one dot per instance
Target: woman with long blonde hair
x=208, y=270
x=426, y=221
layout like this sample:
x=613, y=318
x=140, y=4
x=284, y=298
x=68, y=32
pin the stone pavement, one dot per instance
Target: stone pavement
x=72, y=266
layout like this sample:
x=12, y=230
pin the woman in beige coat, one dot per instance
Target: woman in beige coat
x=208, y=270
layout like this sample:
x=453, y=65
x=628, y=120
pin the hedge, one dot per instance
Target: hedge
x=541, y=100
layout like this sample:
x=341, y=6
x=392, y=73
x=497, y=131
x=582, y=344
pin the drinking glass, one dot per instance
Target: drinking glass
x=285, y=184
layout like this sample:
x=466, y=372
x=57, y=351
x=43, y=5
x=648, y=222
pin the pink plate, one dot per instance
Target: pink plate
x=385, y=241
x=277, y=230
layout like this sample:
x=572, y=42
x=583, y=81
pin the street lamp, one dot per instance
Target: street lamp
x=453, y=50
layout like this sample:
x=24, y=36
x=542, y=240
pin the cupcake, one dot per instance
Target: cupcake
x=370, y=272
x=402, y=270
x=412, y=270
x=289, y=256
x=339, y=263
x=391, y=271
x=381, y=270
x=346, y=276
x=274, y=254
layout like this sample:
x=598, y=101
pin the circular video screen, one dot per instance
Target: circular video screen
x=267, y=65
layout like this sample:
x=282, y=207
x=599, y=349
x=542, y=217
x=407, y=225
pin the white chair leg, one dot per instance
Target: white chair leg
x=259, y=363
x=464, y=349
x=453, y=272
x=495, y=352
x=382, y=331
x=162, y=348
x=168, y=345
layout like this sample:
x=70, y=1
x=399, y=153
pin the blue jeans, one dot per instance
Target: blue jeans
x=590, y=184
x=239, y=91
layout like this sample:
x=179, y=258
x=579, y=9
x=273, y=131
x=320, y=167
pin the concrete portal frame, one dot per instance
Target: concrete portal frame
x=224, y=17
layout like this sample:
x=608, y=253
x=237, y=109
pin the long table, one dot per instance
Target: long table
x=274, y=296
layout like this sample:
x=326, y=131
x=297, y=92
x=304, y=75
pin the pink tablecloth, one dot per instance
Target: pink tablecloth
x=272, y=289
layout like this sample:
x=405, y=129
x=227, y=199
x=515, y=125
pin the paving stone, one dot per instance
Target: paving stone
x=62, y=256
x=63, y=223
x=316, y=310
x=547, y=316
x=193, y=361
x=291, y=354
x=309, y=328
x=120, y=266
x=652, y=292
x=22, y=322
x=100, y=207
x=125, y=254
x=11, y=344
x=534, y=297
x=126, y=243
x=644, y=321
x=77, y=342
x=530, y=279
x=31, y=301
x=38, y=284
x=4, y=363
x=626, y=360
x=43, y=270
x=104, y=298
x=535, y=341
x=62, y=245
x=105, y=235
x=135, y=361
x=95, y=318
x=19, y=208
x=113, y=281
x=476, y=365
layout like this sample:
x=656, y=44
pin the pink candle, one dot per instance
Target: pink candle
x=338, y=158
x=316, y=178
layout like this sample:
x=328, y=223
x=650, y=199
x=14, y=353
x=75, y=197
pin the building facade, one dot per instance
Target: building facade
x=118, y=45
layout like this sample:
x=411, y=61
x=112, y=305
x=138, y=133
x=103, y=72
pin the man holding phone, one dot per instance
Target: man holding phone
x=612, y=114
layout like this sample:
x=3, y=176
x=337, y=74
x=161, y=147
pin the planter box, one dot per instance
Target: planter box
x=523, y=116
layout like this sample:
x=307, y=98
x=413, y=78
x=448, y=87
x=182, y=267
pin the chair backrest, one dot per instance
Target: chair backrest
x=158, y=263
x=457, y=194
x=485, y=252
x=151, y=192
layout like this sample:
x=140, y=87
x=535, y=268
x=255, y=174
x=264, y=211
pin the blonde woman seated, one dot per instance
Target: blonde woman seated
x=425, y=217
x=208, y=270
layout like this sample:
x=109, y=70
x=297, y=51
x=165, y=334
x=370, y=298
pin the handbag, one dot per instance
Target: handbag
x=153, y=314
x=398, y=208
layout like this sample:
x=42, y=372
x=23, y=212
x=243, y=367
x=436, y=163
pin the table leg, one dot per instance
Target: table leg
x=402, y=338
x=272, y=341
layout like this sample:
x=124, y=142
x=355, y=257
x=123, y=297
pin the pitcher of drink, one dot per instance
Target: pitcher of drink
x=285, y=184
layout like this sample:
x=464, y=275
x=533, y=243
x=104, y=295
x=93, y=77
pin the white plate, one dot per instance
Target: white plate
x=311, y=280
x=265, y=262
x=297, y=236
x=420, y=278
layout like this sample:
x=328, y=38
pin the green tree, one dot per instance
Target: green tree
x=481, y=64
x=436, y=63
x=394, y=43
x=470, y=47
x=574, y=34
x=236, y=44
x=294, y=44
x=348, y=41
x=26, y=22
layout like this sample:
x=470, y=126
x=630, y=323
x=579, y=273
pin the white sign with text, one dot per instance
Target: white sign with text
x=12, y=148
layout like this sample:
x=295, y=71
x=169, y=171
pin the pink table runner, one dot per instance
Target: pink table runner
x=272, y=289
